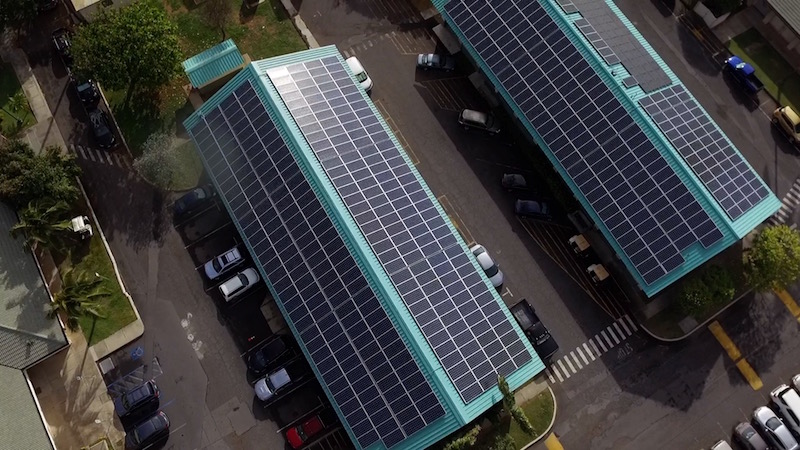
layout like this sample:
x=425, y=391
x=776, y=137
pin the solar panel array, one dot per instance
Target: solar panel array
x=702, y=145
x=597, y=42
x=629, y=82
x=568, y=6
x=449, y=299
x=627, y=47
x=647, y=209
x=360, y=355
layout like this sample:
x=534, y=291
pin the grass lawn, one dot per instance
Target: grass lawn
x=540, y=412
x=191, y=167
x=263, y=32
x=779, y=79
x=12, y=120
x=116, y=309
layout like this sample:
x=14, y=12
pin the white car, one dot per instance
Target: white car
x=487, y=264
x=223, y=263
x=361, y=75
x=774, y=430
x=238, y=284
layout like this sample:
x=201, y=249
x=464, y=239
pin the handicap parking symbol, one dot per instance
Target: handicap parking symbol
x=137, y=353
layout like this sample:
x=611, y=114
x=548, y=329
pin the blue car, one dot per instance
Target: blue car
x=192, y=200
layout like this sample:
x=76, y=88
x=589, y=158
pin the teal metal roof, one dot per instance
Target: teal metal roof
x=457, y=412
x=695, y=255
x=212, y=63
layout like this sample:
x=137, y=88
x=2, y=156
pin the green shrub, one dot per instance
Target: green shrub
x=712, y=286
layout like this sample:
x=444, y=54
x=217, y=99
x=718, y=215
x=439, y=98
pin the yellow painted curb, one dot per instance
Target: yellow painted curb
x=724, y=340
x=790, y=303
x=749, y=374
x=552, y=443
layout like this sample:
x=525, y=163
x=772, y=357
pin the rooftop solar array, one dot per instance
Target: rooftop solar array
x=626, y=46
x=568, y=6
x=647, y=209
x=450, y=301
x=704, y=148
x=360, y=355
x=597, y=42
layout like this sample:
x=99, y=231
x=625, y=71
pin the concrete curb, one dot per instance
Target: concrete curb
x=129, y=332
x=116, y=124
x=549, y=427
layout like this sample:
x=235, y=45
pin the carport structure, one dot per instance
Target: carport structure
x=402, y=329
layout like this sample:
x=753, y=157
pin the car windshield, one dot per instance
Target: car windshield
x=243, y=279
x=361, y=77
x=492, y=271
x=773, y=423
x=216, y=264
x=144, y=431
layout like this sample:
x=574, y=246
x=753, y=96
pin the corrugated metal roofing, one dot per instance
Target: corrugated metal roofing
x=693, y=256
x=789, y=10
x=213, y=63
x=21, y=425
x=458, y=413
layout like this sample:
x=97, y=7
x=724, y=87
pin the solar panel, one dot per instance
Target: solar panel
x=626, y=46
x=645, y=207
x=702, y=145
x=597, y=42
x=436, y=279
x=568, y=6
x=362, y=359
x=629, y=82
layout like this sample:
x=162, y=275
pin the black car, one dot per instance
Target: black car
x=534, y=329
x=192, y=200
x=87, y=90
x=264, y=357
x=63, y=46
x=141, y=398
x=426, y=61
x=148, y=432
x=103, y=136
x=535, y=209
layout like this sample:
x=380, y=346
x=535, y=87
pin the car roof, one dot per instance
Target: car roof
x=355, y=64
x=791, y=114
x=474, y=116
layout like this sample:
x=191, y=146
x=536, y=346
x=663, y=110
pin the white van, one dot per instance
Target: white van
x=361, y=75
x=787, y=402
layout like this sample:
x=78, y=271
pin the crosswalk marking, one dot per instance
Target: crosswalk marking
x=589, y=351
x=113, y=158
x=789, y=202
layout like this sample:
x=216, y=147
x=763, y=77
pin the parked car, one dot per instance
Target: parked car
x=746, y=436
x=47, y=5
x=148, y=432
x=796, y=382
x=774, y=430
x=360, y=73
x=514, y=182
x=103, y=136
x=744, y=74
x=535, y=209
x=487, y=264
x=471, y=119
x=787, y=405
x=221, y=264
x=268, y=354
x=721, y=445
x=141, y=398
x=238, y=284
x=283, y=381
x=300, y=435
x=62, y=45
x=192, y=200
x=247, y=323
x=87, y=90
x=540, y=337
x=788, y=121
x=426, y=61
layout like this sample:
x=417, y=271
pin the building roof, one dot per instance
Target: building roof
x=213, y=63
x=291, y=143
x=26, y=334
x=21, y=425
x=789, y=10
x=664, y=185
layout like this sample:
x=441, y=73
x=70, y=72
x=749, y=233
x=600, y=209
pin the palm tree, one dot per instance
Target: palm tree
x=80, y=296
x=43, y=224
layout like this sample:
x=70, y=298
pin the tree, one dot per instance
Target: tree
x=773, y=261
x=43, y=223
x=217, y=14
x=17, y=13
x=129, y=48
x=511, y=406
x=503, y=442
x=508, y=396
x=522, y=420
x=712, y=286
x=159, y=160
x=466, y=441
x=26, y=176
x=80, y=296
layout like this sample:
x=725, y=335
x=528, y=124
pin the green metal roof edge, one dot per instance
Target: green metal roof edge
x=396, y=309
x=694, y=255
x=213, y=62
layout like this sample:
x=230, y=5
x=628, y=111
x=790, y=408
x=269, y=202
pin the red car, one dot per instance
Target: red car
x=300, y=434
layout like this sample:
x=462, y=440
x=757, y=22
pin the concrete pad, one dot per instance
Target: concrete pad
x=219, y=445
x=220, y=416
x=241, y=419
x=210, y=432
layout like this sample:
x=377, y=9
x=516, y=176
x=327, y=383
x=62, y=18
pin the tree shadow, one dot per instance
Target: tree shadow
x=695, y=54
x=140, y=118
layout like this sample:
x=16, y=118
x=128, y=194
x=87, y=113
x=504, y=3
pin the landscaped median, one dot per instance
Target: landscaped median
x=15, y=112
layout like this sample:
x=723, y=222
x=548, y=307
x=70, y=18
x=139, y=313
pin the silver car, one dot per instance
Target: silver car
x=774, y=430
x=238, y=284
x=221, y=264
x=487, y=264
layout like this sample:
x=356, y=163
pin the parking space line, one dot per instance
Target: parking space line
x=549, y=375
x=569, y=363
x=577, y=363
x=725, y=341
x=588, y=351
x=583, y=357
x=591, y=342
x=605, y=336
x=619, y=330
x=791, y=305
x=611, y=332
x=552, y=442
x=563, y=368
x=631, y=322
x=749, y=374
x=625, y=326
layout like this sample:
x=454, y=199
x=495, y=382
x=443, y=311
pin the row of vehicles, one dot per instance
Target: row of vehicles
x=776, y=426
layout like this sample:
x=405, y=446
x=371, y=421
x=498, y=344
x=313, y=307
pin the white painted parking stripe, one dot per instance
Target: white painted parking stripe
x=619, y=330
x=577, y=363
x=583, y=357
x=550, y=376
x=608, y=341
x=90, y=152
x=614, y=336
x=594, y=347
x=563, y=368
x=602, y=345
x=588, y=351
x=630, y=321
x=554, y=369
x=624, y=326
x=569, y=363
